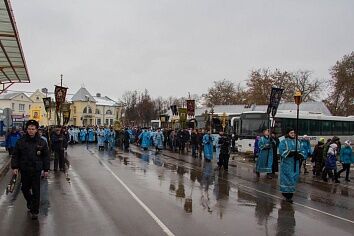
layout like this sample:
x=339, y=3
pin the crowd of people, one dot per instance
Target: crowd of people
x=294, y=153
x=31, y=151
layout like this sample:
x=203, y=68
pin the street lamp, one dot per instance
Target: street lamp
x=298, y=100
x=211, y=117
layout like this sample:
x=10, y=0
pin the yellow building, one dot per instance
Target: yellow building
x=85, y=109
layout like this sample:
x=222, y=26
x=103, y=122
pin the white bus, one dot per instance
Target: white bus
x=314, y=125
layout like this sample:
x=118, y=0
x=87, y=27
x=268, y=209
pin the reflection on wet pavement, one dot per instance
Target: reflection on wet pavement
x=216, y=194
x=205, y=200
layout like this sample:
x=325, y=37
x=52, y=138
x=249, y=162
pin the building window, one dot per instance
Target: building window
x=98, y=121
x=13, y=106
x=87, y=110
x=111, y=121
x=29, y=107
x=37, y=98
x=108, y=112
x=97, y=111
x=21, y=107
x=106, y=122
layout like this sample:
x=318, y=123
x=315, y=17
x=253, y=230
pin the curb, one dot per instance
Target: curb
x=5, y=168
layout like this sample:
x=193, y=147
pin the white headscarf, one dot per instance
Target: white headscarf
x=332, y=149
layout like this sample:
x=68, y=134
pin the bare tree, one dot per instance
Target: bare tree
x=223, y=92
x=308, y=87
x=341, y=98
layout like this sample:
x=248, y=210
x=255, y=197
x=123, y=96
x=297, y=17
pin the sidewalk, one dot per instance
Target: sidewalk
x=244, y=160
x=4, y=163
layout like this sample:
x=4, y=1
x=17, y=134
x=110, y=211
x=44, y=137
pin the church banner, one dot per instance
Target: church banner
x=190, y=107
x=60, y=94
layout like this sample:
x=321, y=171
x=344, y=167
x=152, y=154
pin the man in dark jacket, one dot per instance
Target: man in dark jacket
x=317, y=158
x=224, y=156
x=200, y=135
x=126, y=139
x=30, y=158
x=59, y=143
x=194, y=143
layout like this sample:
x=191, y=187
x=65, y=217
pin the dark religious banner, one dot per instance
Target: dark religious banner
x=47, y=103
x=66, y=113
x=60, y=94
x=190, y=107
x=274, y=101
x=174, y=110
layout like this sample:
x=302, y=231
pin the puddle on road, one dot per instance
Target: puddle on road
x=202, y=192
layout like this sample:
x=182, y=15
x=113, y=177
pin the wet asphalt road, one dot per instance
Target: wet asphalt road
x=148, y=194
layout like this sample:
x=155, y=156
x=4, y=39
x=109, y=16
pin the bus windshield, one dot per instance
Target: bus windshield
x=252, y=124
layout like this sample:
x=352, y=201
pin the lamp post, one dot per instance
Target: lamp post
x=211, y=117
x=298, y=100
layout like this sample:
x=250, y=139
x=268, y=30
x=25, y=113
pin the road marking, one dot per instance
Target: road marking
x=275, y=196
x=147, y=209
x=295, y=203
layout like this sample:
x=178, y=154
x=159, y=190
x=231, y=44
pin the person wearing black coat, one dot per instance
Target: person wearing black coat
x=31, y=157
x=200, y=135
x=224, y=156
x=59, y=143
x=194, y=143
x=126, y=139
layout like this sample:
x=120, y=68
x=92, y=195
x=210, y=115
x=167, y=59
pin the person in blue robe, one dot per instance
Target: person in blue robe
x=145, y=139
x=111, y=139
x=91, y=135
x=289, y=165
x=208, y=146
x=158, y=140
x=83, y=134
x=100, y=138
x=306, y=151
x=265, y=156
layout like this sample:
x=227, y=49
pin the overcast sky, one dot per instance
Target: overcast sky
x=172, y=47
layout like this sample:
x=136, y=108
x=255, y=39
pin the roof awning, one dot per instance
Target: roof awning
x=13, y=67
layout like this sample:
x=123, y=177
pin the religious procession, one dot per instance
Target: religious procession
x=176, y=118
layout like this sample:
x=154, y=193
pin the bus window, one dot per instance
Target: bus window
x=253, y=124
x=315, y=127
x=326, y=127
x=303, y=127
x=216, y=125
x=278, y=126
x=337, y=127
x=346, y=128
x=351, y=128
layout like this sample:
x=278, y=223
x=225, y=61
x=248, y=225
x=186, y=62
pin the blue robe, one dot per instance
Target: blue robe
x=145, y=139
x=91, y=135
x=106, y=134
x=208, y=146
x=158, y=140
x=83, y=134
x=288, y=177
x=111, y=138
x=305, y=148
x=100, y=137
x=265, y=156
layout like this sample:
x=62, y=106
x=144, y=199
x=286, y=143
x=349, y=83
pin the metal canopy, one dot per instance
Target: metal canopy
x=13, y=67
